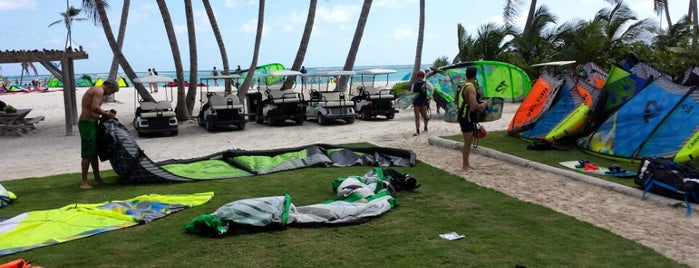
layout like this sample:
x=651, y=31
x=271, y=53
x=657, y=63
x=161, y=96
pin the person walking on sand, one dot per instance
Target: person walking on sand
x=467, y=99
x=421, y=101
x=215, y=73
x=87, y=126
x=155, y=85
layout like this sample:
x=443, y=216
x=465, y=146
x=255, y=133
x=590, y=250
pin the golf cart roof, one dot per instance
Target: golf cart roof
x=376, y=71
x=554, y=63
x=331, y=73
x=230, y=76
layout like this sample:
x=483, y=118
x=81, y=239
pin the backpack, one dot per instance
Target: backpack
x=683, y=177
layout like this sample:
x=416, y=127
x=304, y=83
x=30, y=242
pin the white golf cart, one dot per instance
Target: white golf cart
x=375, y=98
x=279, y=104
x=328, y=104
x=217, y=109
x=155, y=117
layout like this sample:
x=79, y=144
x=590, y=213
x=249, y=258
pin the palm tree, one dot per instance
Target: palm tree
x=694, y=18
x=440, y=62
x=660, y=6
x=511, y=12
x=192, y=91
x=114, y=69
x=466, y=45
x=535, y=45
x=26, y=66
x=69, y=16
x=243, y=91
x=219, y=41
x=354, y=48
x=101, y=7
x=181, y=110
x=301, y=53
x=420, y=36
x=621, y=27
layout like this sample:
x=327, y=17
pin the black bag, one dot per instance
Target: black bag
x=683, y=177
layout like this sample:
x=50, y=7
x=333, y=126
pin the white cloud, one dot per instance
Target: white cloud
x=250, y=26
x=402, y=32
x=337, y=14
x=17, y=4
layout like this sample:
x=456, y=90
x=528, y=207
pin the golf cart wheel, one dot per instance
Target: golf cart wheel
x=259, y=119
x=270, y=122
x=140, y=134
x=321, y=119
x=209, y=126
x=241, y=126
x=349, y=120
x=390, y=116
x=299, y=121
x=174, y=132
x=200, y=121
x=365, y=114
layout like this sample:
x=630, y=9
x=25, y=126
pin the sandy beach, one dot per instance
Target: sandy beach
x=49, y=151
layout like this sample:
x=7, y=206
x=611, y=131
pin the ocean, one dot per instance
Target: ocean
x=402, y=73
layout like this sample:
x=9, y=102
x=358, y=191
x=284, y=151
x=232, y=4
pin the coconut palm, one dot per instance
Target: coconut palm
x=92, y=14
x=356, y=40
x=100, y=7
x=69, y=16
x=661, y=8
x=219, y=41
x=440, y=62
x=301, y=53
x=535, y=44
x=621, y=27
x=192, y=39
x=466, y=45
x=181, y=110
x=420, y=36
x=694, y=18
x=258, y=39
x=580, y=40
x=27, y=67
x=511, y=11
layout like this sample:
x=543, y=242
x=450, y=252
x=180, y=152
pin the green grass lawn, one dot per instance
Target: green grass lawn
x=500, y=231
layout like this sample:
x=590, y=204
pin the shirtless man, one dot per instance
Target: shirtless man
x=87, y=125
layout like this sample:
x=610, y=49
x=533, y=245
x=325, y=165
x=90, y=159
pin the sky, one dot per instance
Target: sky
x=390, y=36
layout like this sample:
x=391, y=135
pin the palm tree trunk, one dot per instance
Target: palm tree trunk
x=354, y=48
x=243, y=90
x=530, y=16
x=114, y=69
x=219, y=41
x=181, y=109
x=192, y=91
x=667, y=15
x=420, y=36
x=303, y=46
x=107, y=28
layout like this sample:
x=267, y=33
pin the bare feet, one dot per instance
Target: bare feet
x=467, y=168
x=85, y=186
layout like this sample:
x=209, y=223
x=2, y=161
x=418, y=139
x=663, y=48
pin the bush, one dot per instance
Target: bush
x=401, y=88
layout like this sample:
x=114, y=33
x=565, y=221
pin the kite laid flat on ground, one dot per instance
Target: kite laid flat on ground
x=48, y=227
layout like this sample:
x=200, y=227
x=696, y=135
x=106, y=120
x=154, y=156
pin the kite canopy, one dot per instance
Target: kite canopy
x=659, y=121
x=535, y=105
x=130, y=162
x=265, y=70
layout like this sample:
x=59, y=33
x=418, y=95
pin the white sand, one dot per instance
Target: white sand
x=49, y=151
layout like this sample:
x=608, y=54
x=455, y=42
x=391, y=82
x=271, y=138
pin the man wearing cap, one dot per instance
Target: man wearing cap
x=87, y=125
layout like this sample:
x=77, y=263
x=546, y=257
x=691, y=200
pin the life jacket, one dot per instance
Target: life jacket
x=464, y=111
x=420, y=87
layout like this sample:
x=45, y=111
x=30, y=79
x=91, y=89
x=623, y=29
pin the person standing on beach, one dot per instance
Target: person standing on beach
x=303, y=78
x=150, y=85
x=421, y=101
x=87, y=126
x=155, y=85
x=215, y=73
x=467, y=97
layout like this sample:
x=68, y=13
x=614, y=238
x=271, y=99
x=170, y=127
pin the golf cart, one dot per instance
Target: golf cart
x=155, y=117
x=328, y=105
x=375, y=99
x=218, y=109
x=280, y=104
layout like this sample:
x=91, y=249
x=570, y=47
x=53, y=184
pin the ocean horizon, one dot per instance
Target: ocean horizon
x=402, y=73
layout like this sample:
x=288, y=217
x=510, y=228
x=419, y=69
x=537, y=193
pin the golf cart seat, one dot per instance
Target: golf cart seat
x=334, y=99
x=229, y=101
x=376, y=93
x=154, y=109
x=283, y=96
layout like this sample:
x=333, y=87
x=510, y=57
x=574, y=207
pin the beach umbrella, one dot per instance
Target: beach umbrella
x=153, y=79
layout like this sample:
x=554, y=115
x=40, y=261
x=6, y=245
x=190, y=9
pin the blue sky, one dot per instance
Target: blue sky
x=389, y=38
